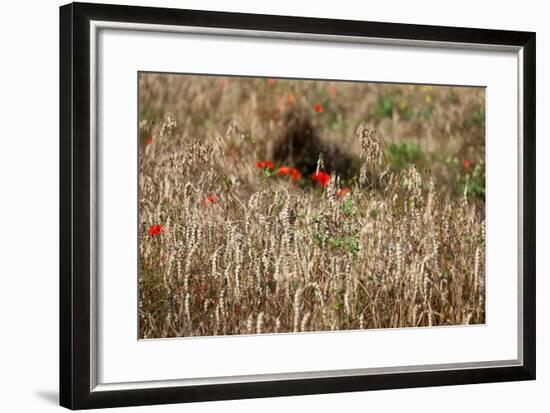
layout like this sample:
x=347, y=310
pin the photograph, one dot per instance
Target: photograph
x=244, y=206
x=259, y=203
x=276, y=205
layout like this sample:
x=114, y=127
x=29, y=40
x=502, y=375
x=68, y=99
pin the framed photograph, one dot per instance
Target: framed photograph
x=256, y=206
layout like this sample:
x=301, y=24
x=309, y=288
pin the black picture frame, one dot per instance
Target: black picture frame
x=75, y=219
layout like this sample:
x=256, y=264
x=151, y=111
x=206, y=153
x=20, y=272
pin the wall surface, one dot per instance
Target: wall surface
x=29, y=207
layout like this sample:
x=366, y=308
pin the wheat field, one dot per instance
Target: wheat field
x=277, y=206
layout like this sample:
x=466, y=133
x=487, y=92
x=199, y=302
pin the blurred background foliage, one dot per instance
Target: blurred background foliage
x=441, y=129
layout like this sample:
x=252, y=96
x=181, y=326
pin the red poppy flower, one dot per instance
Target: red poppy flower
x=271, y=81
x=319, y=108
x=466, y=163
x=155, y=230
x=264, y=164
x=149, y=140
x=332, y=90
x=291, y=99
x=284, y=170
x=212, y=199
x=343, y=191
x=322, y=177
x=295, y=174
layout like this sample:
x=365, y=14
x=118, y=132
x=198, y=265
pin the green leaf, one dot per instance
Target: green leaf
x=347, y=207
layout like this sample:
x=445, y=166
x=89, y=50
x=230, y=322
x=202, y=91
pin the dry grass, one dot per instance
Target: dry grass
x=243, y=250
